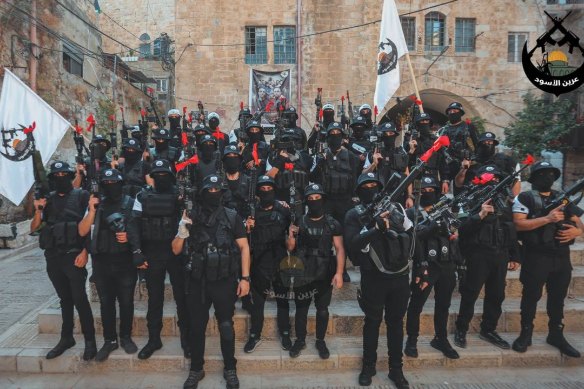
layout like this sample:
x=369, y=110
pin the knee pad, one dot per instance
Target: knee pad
x=226, y=331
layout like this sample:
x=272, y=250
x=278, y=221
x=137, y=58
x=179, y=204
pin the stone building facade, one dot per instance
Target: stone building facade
x=74, y=81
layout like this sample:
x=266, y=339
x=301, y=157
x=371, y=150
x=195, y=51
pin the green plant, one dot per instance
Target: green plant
x=105, y=108
x=541, y=125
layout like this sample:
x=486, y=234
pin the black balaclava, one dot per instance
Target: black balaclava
x=424, y=129
x=543, y=181
x=358, y=132
x=100, y=150
x=367, y=117
x=207, y=151
x=174, y=122
x=161, y=144
x=231, y=164
x=213, y=123
x=328, y=116
x=267, y=198
x=63, y=184
x=113, y=191
x=485, y=151
x=162, y=182
x=334, y=141
x=315, y=208
x=454, y=117
x=366, y=195
x=254, y=137
x=211, y=200
x=428, y=198
x=389, y=141
x=131, y=155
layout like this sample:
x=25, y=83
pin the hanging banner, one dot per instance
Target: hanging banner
x=266, y=87
x=26, y=122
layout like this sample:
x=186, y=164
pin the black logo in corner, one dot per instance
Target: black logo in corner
x=554, y=74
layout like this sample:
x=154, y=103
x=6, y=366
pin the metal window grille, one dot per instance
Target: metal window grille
x=256, y=47
x=435, y=31
x=409, y=28
x=515, y=45
x=72, y=60
x=465, y=35
x=284, y=45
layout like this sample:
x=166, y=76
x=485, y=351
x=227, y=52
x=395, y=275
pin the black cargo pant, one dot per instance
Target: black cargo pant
x=115, y=279
x=552, y=269
x=443, y=280
x=379, y=292
x=255, y=303
x=222, y=294
x=488, y=268
x=69, y=283
x=322, y=292
x=159, y=265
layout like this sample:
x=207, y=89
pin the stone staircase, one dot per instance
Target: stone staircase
x=22, y=349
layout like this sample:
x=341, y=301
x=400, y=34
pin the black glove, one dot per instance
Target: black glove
x=138, y=258
x=422, y=273
x=380, y=224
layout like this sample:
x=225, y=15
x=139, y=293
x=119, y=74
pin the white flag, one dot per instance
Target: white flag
x=392, y=45
x=22, y=110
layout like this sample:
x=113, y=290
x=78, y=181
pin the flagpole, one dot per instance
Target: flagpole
x=414, y=80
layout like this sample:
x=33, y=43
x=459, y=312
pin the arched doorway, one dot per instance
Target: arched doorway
x=434, y=102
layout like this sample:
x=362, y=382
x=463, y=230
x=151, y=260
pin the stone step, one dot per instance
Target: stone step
x=346, y=319
x=346, y=354
x=349, y=291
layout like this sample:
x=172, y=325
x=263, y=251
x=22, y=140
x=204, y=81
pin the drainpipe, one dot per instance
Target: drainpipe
x=32, y=60
x=299, y=60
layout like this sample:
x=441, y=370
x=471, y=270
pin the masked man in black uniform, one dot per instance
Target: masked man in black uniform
x=219, y=254
x=157, y=211
x=115, y=252
x=435, y=261
x=134, y=169
x=237, y=194
x=546, y=238
x=312, y=241
x=380, y=247
x=268, y=248
x=488, y=242
x=66, y=255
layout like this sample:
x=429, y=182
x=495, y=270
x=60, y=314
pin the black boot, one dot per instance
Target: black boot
x=323, y=351
x=411, y=349
x=442, y=344
x=128, y=345
x=297, y=348
x=524, y=340
x=398, y=379
x=285, y=340
x=184, y=343
x=231, y=379
x=367, y=372
x=556, y=339
x=64, y=344
x=460, y=338
x=90, y=350
x=153, y=344
x=193, y=379
x=493, y=338
x=106, y=349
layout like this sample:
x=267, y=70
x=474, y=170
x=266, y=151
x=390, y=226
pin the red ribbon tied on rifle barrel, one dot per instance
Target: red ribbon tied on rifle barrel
x=442, y=141
x=191, y=161
x=255, y=155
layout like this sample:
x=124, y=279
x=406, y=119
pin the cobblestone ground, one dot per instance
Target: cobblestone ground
x=24, y=285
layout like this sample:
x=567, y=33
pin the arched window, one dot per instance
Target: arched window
x=145, y=51
x=435, y=31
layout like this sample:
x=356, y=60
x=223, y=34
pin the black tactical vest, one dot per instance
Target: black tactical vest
x=319, y=262
x=60, y=231
x=268, y=240
x=338, y=173
x=215, y=254
x=159, y=215
x=134, y=179
x=104, y=239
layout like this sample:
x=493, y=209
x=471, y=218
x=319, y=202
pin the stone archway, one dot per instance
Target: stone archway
x=435, y=102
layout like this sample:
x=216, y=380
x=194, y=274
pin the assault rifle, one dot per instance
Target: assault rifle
x=94, y=166
x=564, y=197
x=344, y=120
x=113, y=139
x=385, y=202
x=546, y=37
x=251, y=194
x=474, y=204
x=202, y=119
x=349, y=106
x=296, y=205
x=152, y=108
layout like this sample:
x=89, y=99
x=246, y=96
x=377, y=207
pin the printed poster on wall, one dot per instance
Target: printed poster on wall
x=266, y=87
